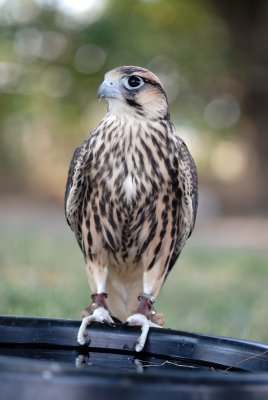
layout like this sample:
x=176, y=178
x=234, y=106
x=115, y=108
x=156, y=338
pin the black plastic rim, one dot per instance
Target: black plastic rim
x=38, y=351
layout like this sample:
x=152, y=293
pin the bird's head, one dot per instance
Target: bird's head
x=134, y=91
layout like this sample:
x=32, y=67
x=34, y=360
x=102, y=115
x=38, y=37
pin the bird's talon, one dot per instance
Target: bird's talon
x=138, y=347
x=141, y=320
x=100, y=314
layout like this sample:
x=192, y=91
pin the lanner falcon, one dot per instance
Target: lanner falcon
x=131, y=199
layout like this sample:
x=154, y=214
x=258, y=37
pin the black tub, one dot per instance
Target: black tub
x=40, y=359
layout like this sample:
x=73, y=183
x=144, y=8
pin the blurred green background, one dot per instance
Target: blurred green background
x=212, y=57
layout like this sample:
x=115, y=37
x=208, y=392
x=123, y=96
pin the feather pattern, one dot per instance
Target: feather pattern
x=131, y=199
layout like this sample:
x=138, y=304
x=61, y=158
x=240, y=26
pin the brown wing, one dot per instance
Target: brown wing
x=189, y=182
x=76, y=189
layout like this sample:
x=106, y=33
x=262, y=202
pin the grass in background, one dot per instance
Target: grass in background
x=221, y=292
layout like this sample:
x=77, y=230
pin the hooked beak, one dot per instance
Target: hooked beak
x=108, y=89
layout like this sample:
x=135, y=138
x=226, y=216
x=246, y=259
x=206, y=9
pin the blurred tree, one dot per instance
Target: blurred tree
x=52, y=60
x=247, y=22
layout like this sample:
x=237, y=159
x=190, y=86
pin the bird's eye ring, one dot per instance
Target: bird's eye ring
x=133, y=82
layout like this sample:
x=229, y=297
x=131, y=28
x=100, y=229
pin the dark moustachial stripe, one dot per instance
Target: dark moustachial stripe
x=134, y=103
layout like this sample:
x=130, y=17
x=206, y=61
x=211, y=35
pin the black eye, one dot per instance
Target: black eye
x=133, y=82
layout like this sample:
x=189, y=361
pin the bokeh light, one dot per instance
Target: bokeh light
x=10, y=74
x=229, y=160
x=222, y=112
x=56, y=81
x=28, y=44
x=89, y=59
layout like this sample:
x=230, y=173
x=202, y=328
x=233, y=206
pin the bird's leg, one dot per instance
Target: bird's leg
x=144, y=316
x=146, y=307
x=98, y=300
x=97, y=311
